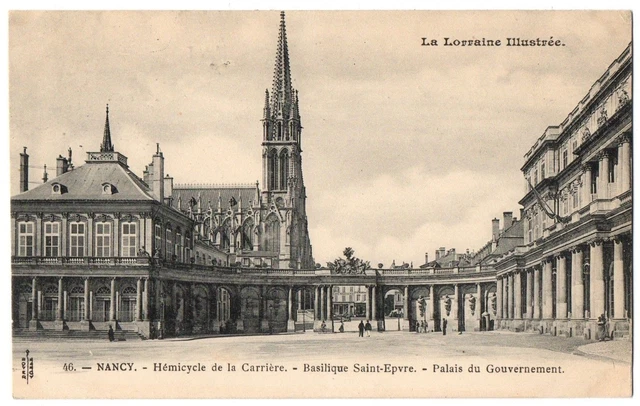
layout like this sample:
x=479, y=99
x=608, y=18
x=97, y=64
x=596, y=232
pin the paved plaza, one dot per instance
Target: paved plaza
x=445, y=360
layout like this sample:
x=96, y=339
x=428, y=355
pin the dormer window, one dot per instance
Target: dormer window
x=57, y=188
x=108, y=189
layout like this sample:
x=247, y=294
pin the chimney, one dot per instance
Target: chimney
x=157, y=178
x=45, y=175
x=24, y=171
x=521, y=213
x=62, y=165
x=495, y=229
x=426, y=257
x=168, y=189
x=508, y=219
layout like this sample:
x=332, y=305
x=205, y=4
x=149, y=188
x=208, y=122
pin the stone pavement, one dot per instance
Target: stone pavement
x=619, y=350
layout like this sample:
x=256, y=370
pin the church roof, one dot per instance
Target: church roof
x=211, y=194
x=86, y=183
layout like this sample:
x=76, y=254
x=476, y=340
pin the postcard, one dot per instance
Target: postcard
x=321, y=204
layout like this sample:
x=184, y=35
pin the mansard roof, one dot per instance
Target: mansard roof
x=86, y=183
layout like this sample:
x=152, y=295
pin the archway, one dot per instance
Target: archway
x=277, y=310
x=303, y=312
x=420, y=308
x=200, y=309
x=393, y=308
x=250, y=309
x=223, y=310
x=444, y=308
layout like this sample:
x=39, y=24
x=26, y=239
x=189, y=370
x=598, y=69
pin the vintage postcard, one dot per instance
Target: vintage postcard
x=321, y=204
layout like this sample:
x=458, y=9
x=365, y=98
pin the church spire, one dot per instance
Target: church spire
x=106, y=145
x=281, y=93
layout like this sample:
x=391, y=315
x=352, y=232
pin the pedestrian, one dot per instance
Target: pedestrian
x=361, y=329
x=602, y=328
x=422, y=327
x=426, y=326
x=444, y=326
x=367, y=328
x=110, y=334
x=323, y=326
x=341, y=329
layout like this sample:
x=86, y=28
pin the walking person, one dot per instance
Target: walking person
x=110, y=334
x=341, y=329
x=367, y=327
x=444, y=326
x=361, y=329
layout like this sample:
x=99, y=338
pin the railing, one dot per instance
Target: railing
x=125, y=261
x=107, y=156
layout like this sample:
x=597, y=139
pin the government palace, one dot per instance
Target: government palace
x=98, y=246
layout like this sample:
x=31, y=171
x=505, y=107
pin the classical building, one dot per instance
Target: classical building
x=576, y=261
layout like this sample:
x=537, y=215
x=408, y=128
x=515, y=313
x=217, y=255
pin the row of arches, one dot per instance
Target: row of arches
x=279, y=167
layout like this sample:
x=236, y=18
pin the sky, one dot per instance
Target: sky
x=406, y=148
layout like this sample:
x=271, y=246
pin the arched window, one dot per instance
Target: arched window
x=247, y=233
x=225, y=234
x=272, y=234
x=284, y=169
x=273, y=170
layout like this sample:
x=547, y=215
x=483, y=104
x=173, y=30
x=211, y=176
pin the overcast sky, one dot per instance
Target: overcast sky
x=406, y=148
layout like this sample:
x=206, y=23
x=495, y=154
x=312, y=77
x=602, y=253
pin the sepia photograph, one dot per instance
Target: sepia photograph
x=320, y=204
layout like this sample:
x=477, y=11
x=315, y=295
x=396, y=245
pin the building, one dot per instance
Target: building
x=576, y=261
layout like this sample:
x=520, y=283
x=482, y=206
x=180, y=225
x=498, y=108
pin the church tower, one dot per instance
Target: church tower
x=283, y=185
x=282, y=129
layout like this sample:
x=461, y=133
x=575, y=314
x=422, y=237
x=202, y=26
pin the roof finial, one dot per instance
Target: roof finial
x=106, y=145
x=281, y=94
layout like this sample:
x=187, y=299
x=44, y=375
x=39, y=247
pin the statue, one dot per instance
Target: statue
x=350, y=265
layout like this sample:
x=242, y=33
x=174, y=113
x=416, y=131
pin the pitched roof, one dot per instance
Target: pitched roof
x=210, y=194
x=85, y=183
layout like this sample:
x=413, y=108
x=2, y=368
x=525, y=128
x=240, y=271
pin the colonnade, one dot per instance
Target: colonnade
x=565, y=293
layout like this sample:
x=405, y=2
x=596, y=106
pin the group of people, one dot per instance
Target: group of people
x=422, y=326
x=364, y=327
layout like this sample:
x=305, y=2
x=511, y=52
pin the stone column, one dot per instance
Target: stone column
x=85, y=316
x=624, y=163
x=561, y=286
x=618, y=279
x=330, y=307
x=529, y=294
x=596, y=280
x=577, y=289
x=368, y=303
x=34, y=299
x=139, y=300
x=432, y=307
x=60, y=301
x=37, y=241
x=112, y=307
x=505, y=297
x=536, y=293
x=586, y=185
x=116, y=236
x=316, y=306
x=405, y=304
x=64, y=232
x=510, y=295
x=299, y=300
x=603, y=174
x=291, y=324
x=547, y=289
x=145, y=300
x=479, y=308
x=374, y=315
x=90, y=235
x=499, y=298
x=454, y=308
x=517, y=297
x=322, y=303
